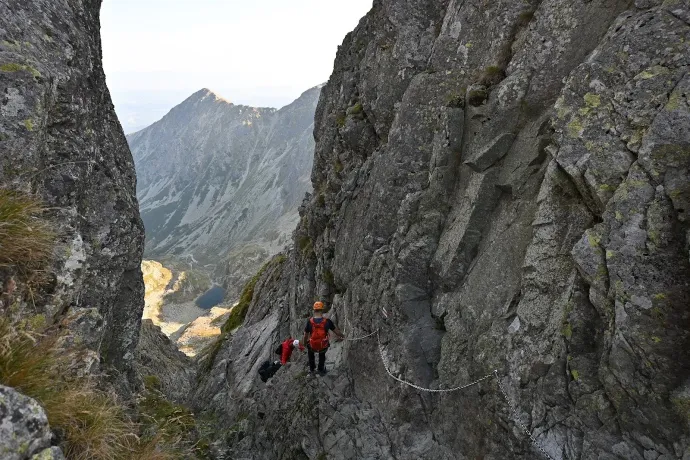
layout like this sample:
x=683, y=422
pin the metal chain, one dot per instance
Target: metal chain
x=516, y=419
x=430, y=390
x=448, y=390
x=362, y=338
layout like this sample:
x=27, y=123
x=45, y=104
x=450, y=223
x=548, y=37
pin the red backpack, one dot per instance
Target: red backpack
x=319, y=335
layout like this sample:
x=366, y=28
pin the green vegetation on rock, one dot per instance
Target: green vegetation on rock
x=13, y=67
x=239, y=311
x=237, y=314
x=306, y=245
x=592, y=100
x=92, y=421
x=170, y=425
x=328, y=277
x=356, y=109
x=27, y=237
x=491, y=75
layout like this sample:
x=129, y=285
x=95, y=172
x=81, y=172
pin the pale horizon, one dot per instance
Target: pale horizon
x=156, y=53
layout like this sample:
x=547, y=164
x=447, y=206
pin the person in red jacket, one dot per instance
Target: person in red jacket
x=268, y=369
x=288, y=345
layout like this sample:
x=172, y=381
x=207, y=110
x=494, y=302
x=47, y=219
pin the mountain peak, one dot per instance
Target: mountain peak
x=205, y=93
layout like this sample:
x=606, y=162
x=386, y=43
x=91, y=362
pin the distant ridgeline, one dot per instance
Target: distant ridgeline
x=218, y=180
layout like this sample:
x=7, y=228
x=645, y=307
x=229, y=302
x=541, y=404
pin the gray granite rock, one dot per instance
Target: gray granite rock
x=560, y=262
x=60, y=139
x=24, y=430
x=559, y=259
x=157, y=356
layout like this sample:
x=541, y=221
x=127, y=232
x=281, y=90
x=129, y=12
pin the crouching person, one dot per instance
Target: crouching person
x=285, y=349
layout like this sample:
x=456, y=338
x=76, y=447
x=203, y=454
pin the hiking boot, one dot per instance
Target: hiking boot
x=323, y=372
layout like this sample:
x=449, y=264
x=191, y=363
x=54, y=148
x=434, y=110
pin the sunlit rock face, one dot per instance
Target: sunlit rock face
x=510, y=181
x=201, y=332
x=173, y=304
x=220, y=183
x=157, y=280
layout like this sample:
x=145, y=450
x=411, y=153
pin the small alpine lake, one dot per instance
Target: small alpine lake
x=210, y=298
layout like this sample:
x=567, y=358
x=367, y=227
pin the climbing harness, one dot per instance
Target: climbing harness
x=511, y=406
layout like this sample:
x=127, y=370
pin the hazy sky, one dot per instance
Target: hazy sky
x=255, y=52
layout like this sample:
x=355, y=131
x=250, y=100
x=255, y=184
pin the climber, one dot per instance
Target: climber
x=286, y=349
x=268, y=369
x=316, y=337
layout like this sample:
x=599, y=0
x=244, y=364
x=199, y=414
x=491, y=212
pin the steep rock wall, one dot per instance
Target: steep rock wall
x=509, y=181
x=158, y=356
x=60, y=139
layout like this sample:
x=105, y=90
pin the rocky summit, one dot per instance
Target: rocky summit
x=220, y=183
x=498, y=224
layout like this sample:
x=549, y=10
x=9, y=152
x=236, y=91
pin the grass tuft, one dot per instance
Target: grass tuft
x=168, y=429
x=356, y=109
x=27, y=238
x=491, y=75
x=328, y=277
x=525, y=18
x=152, y=382
x=91, y=423
x=305, y=244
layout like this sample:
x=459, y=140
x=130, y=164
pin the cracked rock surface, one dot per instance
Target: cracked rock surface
x=510, y=182
x=24, y=430
x=60, y=139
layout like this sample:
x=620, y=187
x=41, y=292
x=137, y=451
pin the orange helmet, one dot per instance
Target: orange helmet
x=318, y=305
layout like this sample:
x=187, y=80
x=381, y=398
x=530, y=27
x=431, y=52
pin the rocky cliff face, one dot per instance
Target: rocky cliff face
x=60, y=139
x=510, y=182
x=218, y=179
x=158, y=356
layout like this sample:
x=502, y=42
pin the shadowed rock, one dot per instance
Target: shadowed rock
x=492, y=153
